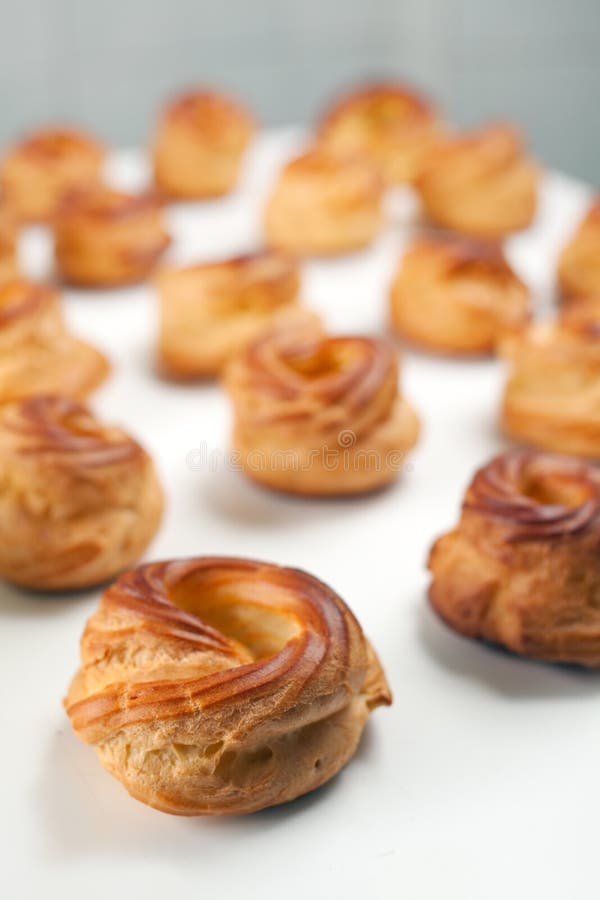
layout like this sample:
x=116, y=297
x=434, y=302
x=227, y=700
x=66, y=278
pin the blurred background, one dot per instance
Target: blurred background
x=110, y=64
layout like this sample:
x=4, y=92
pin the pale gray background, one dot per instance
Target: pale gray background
x=109, y=63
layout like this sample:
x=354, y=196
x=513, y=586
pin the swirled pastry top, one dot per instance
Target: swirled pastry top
x=220, y=120
x=105, y=206
x=342, y=181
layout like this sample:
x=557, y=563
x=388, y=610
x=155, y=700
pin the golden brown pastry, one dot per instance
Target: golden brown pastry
x=107, y=238
x=217, y=686
x=320, y=415
x=324, y=204
x=457, y=295
x=37, y=352
x=390, y=123
x=9, y=266
x=579, y=262
x=210, y=312
x=552, y=396
x=79, y=501
x=482, y=183
x=522, y=568
x=199, y=145
x=37, y=173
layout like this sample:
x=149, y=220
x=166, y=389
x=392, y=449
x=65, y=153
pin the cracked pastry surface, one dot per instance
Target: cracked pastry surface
x=324, y=204
x=38, y=172
x=457, y=295
x=199, y=145
x=389, y=123
x=210, y=312
x=320, y=415
x=223, y=686
x=552, y=394
x=482, y=183
x=579, y=261
x=521, y=568
x=37, y=352
x=109, y=238
x=79, y=500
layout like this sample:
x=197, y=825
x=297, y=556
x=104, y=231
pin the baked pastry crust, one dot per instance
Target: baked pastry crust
x=199, y=145
x=107, y=238
x=9, y=266
x=388, y=122
x=320, y=415
x=324, y=204
x=210, y=312
x=80, y=501
x=481, y=183
x=37, y=352
x=579, y=261
x=215, y=686
x=457, y=295
x=37, y=173
x=552, y=395
x=522, y=568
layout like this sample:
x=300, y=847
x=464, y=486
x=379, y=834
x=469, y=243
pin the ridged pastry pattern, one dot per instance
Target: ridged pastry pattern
x=199, y=145
x=320, y=415
x=481, y=183
x=37, y=173
x=521, y=569
x=79, y=501
x=456, y=295
x=37, y=352
x=220, y=686
x=324, y=204
x=579, y=261
x=390, y=123
x=109, y=238
x=210, y=312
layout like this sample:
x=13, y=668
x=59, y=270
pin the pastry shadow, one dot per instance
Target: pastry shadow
x=29, y=603
x=498, y=669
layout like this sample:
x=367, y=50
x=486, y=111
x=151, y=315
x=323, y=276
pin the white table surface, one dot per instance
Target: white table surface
x=481, y=781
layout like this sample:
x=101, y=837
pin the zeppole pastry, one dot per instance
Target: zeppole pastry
x=37, y=352
x=482, y=183
x=522, y=568
x=457, y=295
x=552, y=395
x=199, y=146
x=39, y=171
x=390, y=123
x=107, y=238
x=324, y=204
x=210, y=312
x=9, y=266
x=320, y=415
x=216, y=686
x=80, y=501
x=579, y=262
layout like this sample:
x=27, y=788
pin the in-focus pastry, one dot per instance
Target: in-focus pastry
x=482, y=183
x=216, y=686
x=390, y=123
x=552, y=395
x=9, y=266
x=522, y=567
x=320, y=415
x=199, y=145
x=107, y=238
x=579, y=262
x=37, y=173
x=80, y=501
x=210, y=312
x=324, y=204
x=457, y=295
x=37, y=352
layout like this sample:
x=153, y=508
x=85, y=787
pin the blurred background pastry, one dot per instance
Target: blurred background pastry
x=37, y=351
x=199, y=145
x=217, y=686
x=9, y=263
x=579, y=261
x=80, y=500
